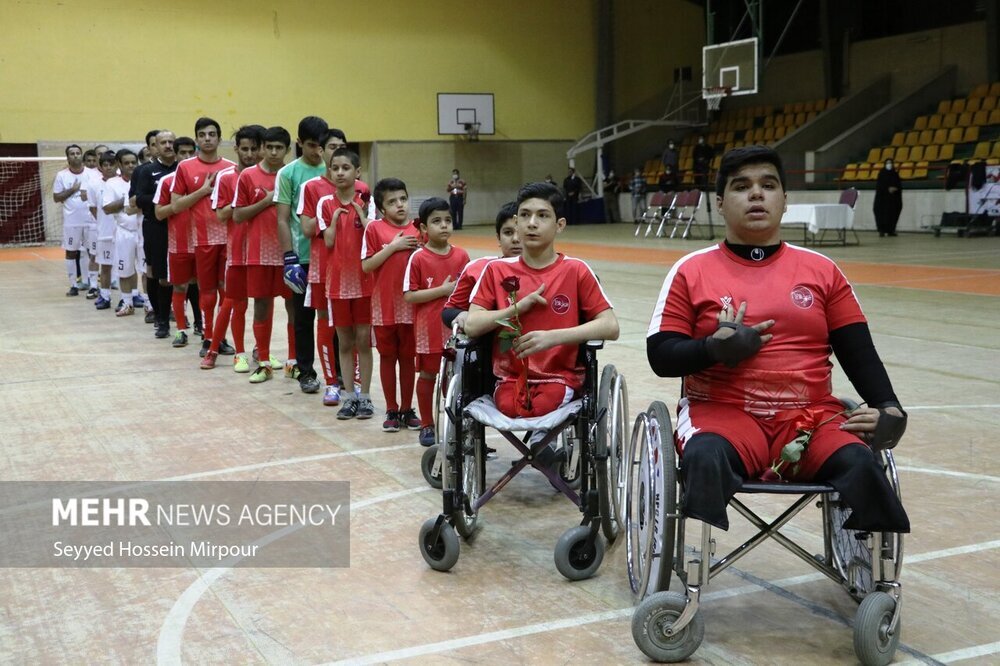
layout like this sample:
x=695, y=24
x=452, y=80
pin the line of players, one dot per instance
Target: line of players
x=312, y=232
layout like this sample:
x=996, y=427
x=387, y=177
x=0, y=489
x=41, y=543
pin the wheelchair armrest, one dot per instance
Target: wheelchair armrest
x=850, y=404
x=594, y=344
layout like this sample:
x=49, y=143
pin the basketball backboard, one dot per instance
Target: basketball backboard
x=458, y=112
x=730, y=65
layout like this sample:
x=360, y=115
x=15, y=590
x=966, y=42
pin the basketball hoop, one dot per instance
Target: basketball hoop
x=713, y=96
x=471, y=131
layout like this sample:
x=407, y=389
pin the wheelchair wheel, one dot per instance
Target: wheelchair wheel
x=578, y=555
x=473, y=471
x=612, y=431
x=441, y=554
x=430, y=466
x=651, y=502
x=654, y=617
x=851, y=550
x=874, y=643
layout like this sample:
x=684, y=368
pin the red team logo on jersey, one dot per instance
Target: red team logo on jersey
x=560, y=304
x=802, y=297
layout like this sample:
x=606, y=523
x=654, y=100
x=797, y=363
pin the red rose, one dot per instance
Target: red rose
x=511, y=284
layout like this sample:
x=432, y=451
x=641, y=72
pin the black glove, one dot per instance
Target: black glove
x=889, y=429
x=732, y=343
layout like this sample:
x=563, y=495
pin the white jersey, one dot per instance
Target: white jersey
x=105, y=222
x=76, y=209
x=116, y=189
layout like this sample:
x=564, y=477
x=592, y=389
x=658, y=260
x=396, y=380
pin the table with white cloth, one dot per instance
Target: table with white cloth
x=818, y=219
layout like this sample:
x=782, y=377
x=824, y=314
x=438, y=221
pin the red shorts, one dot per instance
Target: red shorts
x=545, y=398
x=429, y=363
x=266, y=282
x=210, y=264
x=180, y=267
x=317, y=296
x=236, y=282
x=351, y=311
x=395, y=340
x=759, y=440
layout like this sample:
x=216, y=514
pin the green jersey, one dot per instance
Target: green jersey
x=288, y=190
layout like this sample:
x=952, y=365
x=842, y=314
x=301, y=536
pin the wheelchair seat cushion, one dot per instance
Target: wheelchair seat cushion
x=485, y=411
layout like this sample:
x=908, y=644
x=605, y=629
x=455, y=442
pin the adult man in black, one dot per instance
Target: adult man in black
x=154, y=232
x=888, y=200
x=703, y=154
x=572, y=186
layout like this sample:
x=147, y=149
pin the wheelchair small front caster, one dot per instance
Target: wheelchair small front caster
x=441, y=554
x=654, y=618
x=874, y=645
x=575, y=558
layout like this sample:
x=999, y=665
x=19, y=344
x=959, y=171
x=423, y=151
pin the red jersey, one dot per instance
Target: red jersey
x=189, y=177
x=802, y=291
x=425, y=270
x=311, y=192
x=466, y=281
x=180, y=236
x=222, y=197
x=344, y=277
x=263, y=248
x=574, y=295
x=388, y=306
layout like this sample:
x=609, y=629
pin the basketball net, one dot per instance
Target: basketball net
x=472, y=131
x=713, y=96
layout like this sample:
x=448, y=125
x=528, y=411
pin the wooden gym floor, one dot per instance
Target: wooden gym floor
x=87, y=396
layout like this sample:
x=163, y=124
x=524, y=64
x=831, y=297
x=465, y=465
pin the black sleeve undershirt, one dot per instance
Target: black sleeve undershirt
x=448, y=315
x=673, y=354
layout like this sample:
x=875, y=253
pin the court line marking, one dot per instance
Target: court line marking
x=945, y=472
x=603, y=616
x=934, y=342
x=919, y=408
x=168, y=644
x=963, y=653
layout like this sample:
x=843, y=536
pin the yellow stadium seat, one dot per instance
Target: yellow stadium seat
x=934, y=121
x=886, y=154
x=748, y=136
x=954, y=135
x=916, y=153
x=982, y=150
x=820, y=105
x=906, y=170
x=981, y=90
x=899, y=138
x=920, y=123
x=988, y=104
x=958, y=105
x=799, y=107
x=850, y=172
x=920, y=170
x=800, y=119
x=995, y=117
x=873, y=154
x=947, y=152
x=949, y=120
x=769, y=121
x=928, y=137
x=981, y=117
x=780, y=132
x=965, y=119
x=940, y=137
x=902, y=153
x=944, y=106
x=863, y=171
x=972, y=104
x=912, y=138
x=873, y=174
x=769, y=134
x=971, y=134
x=996, y=150
x=931, y=154
x=995, y=89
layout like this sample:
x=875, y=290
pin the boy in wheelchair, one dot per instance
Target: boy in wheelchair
x=542, y=297
x=750, y=324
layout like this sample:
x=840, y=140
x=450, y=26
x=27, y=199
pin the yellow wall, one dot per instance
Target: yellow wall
x=652, y=37
x=93, y=69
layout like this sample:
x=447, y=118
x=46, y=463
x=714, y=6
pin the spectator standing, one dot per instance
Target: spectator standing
x=888, y=200
x=457, y=189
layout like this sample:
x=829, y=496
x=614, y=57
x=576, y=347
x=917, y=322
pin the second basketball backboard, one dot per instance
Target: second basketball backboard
x=458, y=113
x=731, y=65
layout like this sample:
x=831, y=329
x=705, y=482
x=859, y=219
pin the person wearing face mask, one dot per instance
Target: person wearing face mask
x=670, y=157
x=456, y=199
x=888, y=200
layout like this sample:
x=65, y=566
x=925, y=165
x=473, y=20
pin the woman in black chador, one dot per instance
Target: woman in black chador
x=888, y=200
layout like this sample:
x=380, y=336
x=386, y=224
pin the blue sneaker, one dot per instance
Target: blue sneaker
x=102, y=304
x=137, y=302
x=426, y=436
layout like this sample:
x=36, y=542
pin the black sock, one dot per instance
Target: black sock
x=165, y=302
x=193, y=296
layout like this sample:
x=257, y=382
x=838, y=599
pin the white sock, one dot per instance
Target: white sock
x=106, y=294
x=71, y=271
x=92, y=278
x=135, y=293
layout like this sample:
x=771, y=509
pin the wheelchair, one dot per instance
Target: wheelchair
x=593, y=431
x=667, y=627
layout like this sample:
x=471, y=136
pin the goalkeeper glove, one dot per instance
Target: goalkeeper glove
x=295, y=276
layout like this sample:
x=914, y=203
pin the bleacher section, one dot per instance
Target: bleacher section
x=962, y=130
